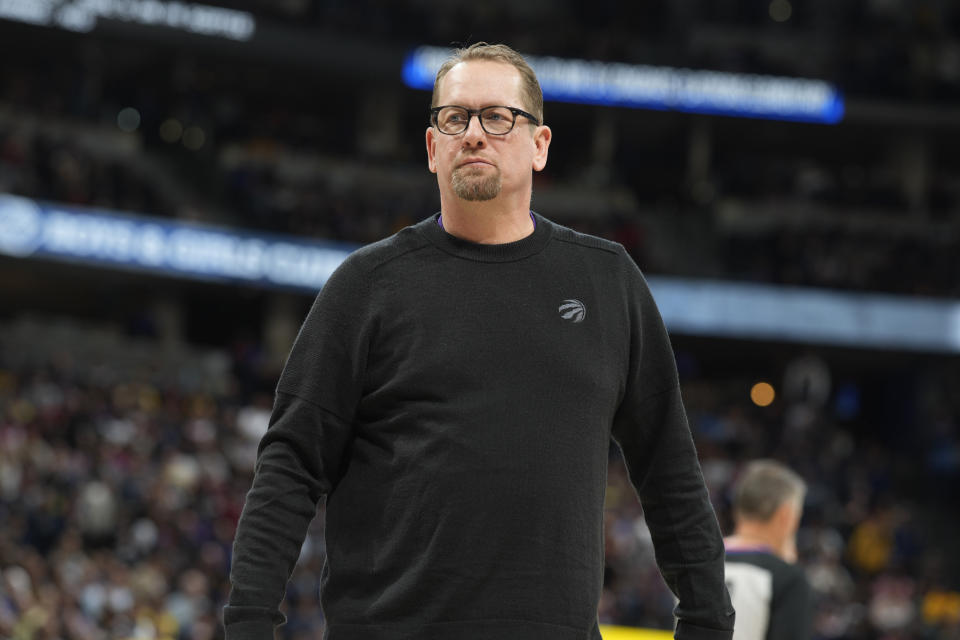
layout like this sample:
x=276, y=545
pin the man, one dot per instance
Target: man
x=453, y=392
x=771, y=595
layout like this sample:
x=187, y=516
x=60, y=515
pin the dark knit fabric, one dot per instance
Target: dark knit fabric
x=455, y=404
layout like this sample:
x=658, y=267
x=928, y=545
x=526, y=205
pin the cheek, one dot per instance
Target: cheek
x=519, y=165
x=447, y=155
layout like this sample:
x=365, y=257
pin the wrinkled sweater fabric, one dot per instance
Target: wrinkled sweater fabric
x=455, y=403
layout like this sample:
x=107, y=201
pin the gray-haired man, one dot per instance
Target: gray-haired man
x=771, y=594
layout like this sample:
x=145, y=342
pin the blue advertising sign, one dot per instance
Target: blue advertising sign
x=662, y=88
x=32, y=229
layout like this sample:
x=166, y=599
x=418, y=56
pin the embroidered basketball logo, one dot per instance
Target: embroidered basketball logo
x=572, y=310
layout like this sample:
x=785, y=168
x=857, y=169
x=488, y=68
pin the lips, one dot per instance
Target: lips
x=474, y=162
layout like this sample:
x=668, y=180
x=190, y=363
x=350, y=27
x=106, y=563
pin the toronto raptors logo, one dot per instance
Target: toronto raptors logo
x=572, y=310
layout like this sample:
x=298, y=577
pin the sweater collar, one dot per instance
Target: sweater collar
x=507, y=252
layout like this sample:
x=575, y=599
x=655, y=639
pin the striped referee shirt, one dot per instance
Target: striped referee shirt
x=772, y=598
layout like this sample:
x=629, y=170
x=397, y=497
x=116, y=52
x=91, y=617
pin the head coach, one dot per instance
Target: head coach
x=453, y=393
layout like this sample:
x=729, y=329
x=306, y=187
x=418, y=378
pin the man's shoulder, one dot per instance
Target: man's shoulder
x=570, y=236
x=782, y=572
x=375, y=255
x=756, y=556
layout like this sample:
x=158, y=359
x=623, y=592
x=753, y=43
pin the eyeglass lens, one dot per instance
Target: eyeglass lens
x=495, y=120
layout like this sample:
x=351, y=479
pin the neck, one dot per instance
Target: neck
x=488, y=222
x=747, y=535
x=740, y=540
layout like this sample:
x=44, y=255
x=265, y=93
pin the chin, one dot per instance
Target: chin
x=476, y=190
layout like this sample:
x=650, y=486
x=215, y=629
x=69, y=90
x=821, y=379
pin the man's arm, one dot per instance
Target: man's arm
x=301, y=456
x=652, y=431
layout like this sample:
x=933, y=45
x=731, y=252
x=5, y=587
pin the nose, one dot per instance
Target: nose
x=474, y=136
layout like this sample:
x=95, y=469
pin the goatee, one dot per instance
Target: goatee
x=470, y=184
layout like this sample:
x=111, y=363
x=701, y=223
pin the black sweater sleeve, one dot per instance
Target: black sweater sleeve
x=299, y=458
x=651, y=428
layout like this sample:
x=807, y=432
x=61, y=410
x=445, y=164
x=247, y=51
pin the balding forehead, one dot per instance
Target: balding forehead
x=492, y=81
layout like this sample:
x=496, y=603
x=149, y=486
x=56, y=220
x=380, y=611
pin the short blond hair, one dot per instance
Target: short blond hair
x=532, y=93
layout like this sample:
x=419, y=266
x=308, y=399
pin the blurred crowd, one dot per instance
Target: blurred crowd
x=123, y=469
x=62, y=170
x=840, y=259
x=122, y=475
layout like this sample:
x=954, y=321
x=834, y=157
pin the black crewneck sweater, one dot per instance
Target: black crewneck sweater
x=455, y=403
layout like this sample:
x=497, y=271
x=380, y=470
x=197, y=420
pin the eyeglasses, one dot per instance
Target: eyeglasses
x=495, y=120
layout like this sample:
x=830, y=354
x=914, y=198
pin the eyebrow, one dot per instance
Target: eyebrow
x=484, y=106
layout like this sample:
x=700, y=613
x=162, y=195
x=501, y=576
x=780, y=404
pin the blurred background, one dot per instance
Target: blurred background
x=177, y=179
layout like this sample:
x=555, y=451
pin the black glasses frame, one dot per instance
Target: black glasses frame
x=435, y=111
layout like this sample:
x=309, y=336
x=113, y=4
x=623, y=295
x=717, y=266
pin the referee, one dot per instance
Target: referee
x=769, y=592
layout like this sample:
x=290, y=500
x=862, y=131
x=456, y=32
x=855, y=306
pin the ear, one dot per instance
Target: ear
x=541, y=142
x=787, y=517
x=784, y=522
x=431, y=136
x=782, y=517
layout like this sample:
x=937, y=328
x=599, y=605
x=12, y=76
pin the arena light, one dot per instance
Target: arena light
x=762, y=394
x=662, y=88
x=82, y=16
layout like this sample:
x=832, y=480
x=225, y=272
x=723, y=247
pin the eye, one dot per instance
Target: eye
x=497, y=115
